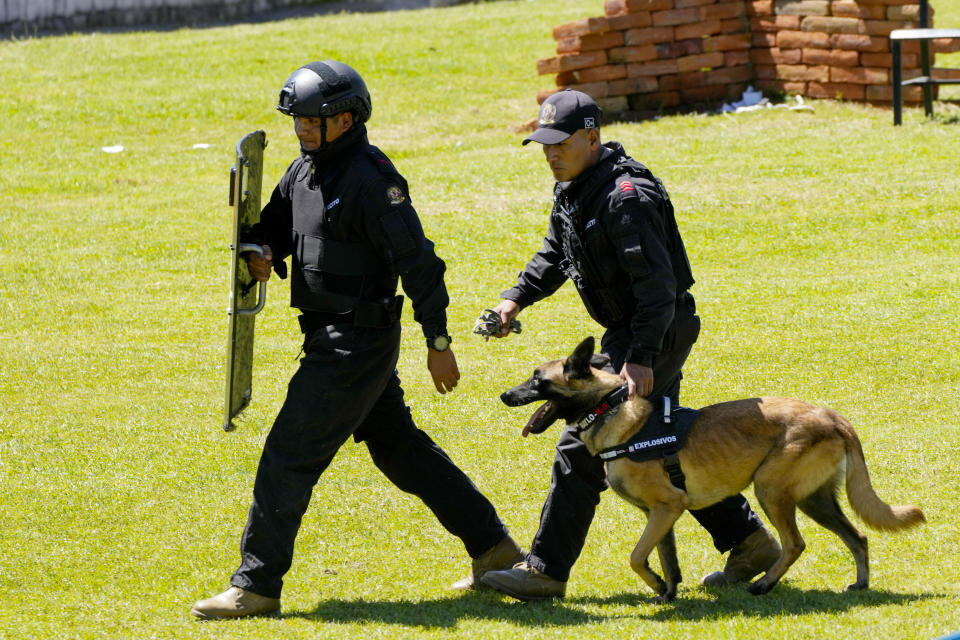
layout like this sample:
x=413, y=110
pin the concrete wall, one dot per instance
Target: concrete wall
x=24, y=17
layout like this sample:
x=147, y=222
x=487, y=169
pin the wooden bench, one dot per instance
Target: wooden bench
x=924, y=34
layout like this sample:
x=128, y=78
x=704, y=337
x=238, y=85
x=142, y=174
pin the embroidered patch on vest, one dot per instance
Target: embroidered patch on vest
x=395, y=195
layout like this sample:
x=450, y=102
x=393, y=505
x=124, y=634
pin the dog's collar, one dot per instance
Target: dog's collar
x=607, y=405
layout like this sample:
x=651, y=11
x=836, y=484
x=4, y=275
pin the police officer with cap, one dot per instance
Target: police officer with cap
x=342, y=214
x=612, y=232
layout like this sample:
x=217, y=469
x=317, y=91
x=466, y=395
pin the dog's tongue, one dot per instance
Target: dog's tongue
x=536, y=417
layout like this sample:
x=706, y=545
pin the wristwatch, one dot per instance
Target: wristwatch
x=439, y=342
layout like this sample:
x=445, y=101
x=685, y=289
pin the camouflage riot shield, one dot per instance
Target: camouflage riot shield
x=246, y=298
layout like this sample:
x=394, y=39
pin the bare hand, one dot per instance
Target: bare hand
x=260, y=266
x=507, y=310
x=639, y=379
x=443, y=368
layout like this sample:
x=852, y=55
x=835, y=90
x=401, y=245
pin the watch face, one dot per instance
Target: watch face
x=440, y=343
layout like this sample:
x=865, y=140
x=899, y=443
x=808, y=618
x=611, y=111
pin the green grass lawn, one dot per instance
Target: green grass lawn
x=824, y=246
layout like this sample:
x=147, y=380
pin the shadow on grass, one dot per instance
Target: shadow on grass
x=449, y=612
x=698, y=605
x=734, y=602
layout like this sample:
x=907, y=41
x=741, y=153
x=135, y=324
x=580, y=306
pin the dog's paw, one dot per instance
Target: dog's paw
x=665, y=593
x=759, y=587
x=663, y=598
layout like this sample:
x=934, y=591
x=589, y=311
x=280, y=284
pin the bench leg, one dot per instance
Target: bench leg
x=928, y=87
x=897, y=86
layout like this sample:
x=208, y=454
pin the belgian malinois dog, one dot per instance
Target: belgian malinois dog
x=794, y=453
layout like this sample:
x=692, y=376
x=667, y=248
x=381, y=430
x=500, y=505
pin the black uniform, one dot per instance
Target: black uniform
x=345, y=218
x=612, y=231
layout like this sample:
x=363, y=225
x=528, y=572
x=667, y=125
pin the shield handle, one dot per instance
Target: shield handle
x=246, y=247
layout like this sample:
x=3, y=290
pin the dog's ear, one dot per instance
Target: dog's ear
x=577, y=365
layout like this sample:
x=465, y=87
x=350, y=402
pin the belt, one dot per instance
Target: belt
x=366, y=314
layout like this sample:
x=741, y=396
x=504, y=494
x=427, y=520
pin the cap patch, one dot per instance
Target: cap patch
x=395, y=195
x=588, y=123
x=548, y=115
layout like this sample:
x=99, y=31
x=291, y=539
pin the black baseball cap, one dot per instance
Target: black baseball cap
x=563, y=114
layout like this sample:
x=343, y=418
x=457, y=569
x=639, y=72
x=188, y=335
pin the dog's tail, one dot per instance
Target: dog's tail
x=876, y=513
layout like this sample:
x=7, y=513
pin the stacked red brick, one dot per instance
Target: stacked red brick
x=833, y=48
x=646, y=54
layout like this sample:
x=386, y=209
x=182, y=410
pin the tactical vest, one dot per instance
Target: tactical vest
x=318, y=253
x=609, y=300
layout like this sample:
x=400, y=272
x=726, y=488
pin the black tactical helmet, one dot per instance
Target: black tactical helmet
x=325, y=89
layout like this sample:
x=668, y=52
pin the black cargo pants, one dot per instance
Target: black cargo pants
x=578, y=477
x=347, y=385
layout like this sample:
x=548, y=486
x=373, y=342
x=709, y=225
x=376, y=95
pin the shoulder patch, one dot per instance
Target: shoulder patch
x=626, y=189
x=395, y=195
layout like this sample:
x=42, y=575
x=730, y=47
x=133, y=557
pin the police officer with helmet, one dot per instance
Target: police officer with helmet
x=343, y=215
x=612, y=232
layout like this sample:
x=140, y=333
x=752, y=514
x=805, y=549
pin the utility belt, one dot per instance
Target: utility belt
x=364, y=314
x=686, y=299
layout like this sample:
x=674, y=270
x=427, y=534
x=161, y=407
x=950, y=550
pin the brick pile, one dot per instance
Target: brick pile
x=645, y=55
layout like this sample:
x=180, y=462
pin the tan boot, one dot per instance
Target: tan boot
x=235, y=603
x=753, y=555
x=523, y=582
x=502, y=555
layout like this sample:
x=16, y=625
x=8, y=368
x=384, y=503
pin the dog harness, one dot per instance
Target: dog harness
x=662, y=435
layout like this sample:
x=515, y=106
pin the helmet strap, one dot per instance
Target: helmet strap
x=323, y=133
x=332, y=150
x=323, y=139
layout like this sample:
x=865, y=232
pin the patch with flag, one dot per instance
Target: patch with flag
x=395, y=195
